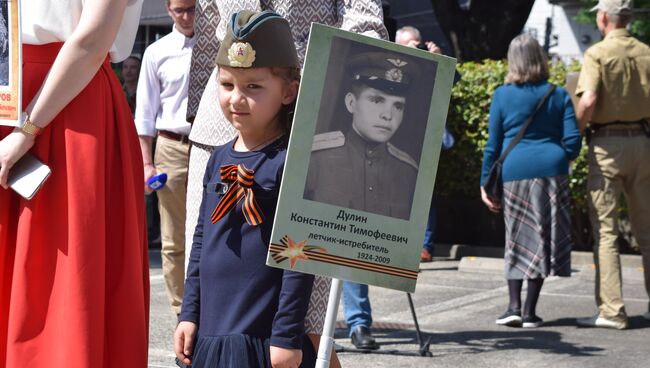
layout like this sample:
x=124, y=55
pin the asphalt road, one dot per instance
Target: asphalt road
x=456, y=305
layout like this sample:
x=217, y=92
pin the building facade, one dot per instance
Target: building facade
x=552, y=23
x=154, y=24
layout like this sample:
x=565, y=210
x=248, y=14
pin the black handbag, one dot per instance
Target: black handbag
x=494, y=182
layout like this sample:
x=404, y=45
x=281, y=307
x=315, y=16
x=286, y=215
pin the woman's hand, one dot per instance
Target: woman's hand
x=12, y=148
x=184, y=341
x=491, y=203
x=285, y=358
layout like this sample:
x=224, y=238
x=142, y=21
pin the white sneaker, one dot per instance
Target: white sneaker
x=598, y=321
x=646, y=315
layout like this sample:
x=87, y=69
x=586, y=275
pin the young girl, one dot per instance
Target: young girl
x=237, y=312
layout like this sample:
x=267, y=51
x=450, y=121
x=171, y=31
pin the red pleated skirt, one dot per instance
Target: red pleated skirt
x=74, y=277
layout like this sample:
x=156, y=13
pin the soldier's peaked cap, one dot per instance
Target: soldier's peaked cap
x=256, y=40
x=387, y=72
x=615, y=7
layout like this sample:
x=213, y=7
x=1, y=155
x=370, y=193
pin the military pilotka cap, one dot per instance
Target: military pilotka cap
x=614, y=7
x=386, y=72
x=257, y=40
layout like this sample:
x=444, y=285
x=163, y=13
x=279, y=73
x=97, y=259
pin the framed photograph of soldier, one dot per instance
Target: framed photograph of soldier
x=362, y=158
x=364, y=131
x=10, y=63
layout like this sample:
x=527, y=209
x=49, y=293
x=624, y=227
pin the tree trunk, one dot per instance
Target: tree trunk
x=485, y=30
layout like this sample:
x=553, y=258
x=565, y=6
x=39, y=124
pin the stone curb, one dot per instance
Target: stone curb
x=460, y=251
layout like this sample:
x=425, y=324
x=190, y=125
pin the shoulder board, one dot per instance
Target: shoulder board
x=328, y=140
x=401, y=155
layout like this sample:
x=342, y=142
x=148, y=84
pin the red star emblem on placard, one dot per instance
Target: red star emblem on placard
x=294, y=251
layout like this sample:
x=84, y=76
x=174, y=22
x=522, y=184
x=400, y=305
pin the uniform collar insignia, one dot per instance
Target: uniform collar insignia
x=241, y=55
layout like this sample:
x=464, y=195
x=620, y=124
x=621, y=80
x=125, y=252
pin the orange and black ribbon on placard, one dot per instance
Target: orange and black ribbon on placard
x=293, y=251
x=240, y=187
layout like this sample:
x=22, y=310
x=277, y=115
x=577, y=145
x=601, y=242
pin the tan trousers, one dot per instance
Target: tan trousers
x=618, y=165
x=171, y=157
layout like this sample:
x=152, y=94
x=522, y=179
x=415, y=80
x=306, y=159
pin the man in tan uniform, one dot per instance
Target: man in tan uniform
x=614, y=90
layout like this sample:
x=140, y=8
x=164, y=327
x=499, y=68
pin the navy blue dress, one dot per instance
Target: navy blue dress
x=241, y=305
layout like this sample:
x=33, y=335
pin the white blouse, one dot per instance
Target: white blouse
x=47, y=21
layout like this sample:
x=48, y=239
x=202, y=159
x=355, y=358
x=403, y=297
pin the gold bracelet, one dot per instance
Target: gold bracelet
x=29, y=127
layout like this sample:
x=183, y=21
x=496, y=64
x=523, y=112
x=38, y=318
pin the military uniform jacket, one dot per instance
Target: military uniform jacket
x=349, y=172
x=617, y=69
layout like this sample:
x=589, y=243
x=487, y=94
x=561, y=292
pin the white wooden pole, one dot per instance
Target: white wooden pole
x=327, y=339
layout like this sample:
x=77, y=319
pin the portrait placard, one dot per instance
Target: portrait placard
x=362, y=159
x=10, y=63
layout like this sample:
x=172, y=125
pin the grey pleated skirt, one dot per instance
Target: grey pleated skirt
x=537, y=216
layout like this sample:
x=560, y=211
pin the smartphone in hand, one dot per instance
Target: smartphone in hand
x=28, y=175
x=181, y=364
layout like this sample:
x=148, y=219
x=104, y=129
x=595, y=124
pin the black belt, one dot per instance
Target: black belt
x=596, y=126
x=630, y=129
x=174, y=136
x=632, y=132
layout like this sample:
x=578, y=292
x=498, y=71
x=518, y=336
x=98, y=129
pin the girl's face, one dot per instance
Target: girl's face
x=251, y=98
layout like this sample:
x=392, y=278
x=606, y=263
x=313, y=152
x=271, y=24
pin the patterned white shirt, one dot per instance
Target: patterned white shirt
x=361, y=16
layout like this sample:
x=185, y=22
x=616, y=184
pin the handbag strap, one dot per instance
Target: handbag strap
x=522, y=131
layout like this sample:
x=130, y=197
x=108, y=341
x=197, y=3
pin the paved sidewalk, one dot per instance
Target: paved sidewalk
x=456, y=310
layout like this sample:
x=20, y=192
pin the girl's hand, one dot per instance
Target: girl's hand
x=285, y=358
x=12, y=148
x=492, y=204
x=184, y=341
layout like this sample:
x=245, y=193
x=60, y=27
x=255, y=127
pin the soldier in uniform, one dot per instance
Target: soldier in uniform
x=360, y=169
x=614, y=93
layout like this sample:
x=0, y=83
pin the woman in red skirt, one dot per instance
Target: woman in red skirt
x=74, y=288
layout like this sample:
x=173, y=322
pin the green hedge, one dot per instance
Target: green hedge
x=459, y=169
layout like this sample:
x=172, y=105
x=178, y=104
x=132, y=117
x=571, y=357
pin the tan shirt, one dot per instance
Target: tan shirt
x=617, y=69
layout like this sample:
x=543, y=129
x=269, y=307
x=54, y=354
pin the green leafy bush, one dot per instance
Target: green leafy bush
x=459, y=169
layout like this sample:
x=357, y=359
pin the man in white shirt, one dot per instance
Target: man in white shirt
x=160, y=110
